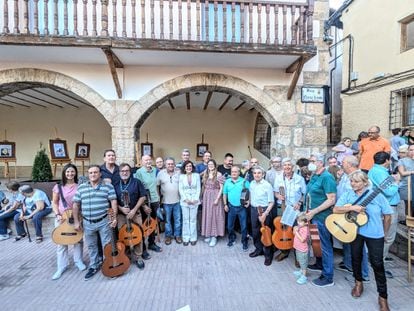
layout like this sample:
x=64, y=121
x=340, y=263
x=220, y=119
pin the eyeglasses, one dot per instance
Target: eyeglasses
x=372, y=133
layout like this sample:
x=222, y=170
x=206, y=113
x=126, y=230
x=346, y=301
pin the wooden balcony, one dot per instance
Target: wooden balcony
x=183, y=25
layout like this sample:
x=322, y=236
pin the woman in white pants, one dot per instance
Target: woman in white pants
x=62, y=201
x=189, y=187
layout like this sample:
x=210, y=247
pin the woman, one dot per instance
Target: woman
x=61, y=202
x=355, y=144
x=372, y=234
x=36, y=206
x=343, y=149
x=406, y=169
x=212, y=224
x=189, y=189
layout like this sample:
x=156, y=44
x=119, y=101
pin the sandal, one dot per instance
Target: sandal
x=19, y=237
x=39, y=239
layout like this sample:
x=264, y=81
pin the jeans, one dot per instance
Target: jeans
x=375, y=253
x=241, y=213
x=90, y=234
x=62, y=255
x=175, y=211
x=346, y=248
x=37, y=221
x=392, y=231
x=189, y=222
x=4, y=217
x=327, y=250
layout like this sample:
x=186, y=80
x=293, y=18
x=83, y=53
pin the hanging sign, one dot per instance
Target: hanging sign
x=312, y=94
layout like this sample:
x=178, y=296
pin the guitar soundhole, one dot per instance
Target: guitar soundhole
x=69, y=233
x=349, y=217
x=71, y=220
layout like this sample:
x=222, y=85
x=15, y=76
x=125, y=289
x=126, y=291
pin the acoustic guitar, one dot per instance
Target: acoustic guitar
x=345, y=226
x=266, y=237
x=116, y=262
x=282, y=237
x=65, y=233
x=150, y=224
x=129, y=234
x=315, y=239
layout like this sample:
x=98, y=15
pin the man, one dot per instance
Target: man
x=378, y=173
x=349, y=165
x=369, y=147
x=294, y=188
x=249, y=174
x=261, y=201
x=225, y=168
x=134, y=189
x=232, y=191
x=201, y=167
x=185, y=156
x=168, y=179
x=95, y=197
x=159, y=164
x=275, y=170
x=146, y=174
x=396, y=142
x=109, y=170
x=322, y=192
x=332, y=161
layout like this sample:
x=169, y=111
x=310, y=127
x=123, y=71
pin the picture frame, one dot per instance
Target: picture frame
x=82, y=151
x=7, y=150
x=58, y=149
x=147, y=149
x=201, y=148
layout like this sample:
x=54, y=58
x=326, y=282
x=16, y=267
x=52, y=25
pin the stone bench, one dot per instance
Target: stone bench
x=48, y=224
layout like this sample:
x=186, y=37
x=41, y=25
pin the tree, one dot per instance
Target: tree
x=42, y=170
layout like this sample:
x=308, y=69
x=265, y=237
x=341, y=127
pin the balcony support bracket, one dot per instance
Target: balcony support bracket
x=114, y=63
x=300, y=62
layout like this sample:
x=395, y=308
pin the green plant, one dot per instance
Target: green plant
x=42, y=170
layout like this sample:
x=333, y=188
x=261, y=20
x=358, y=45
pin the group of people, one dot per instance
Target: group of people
x=207, y=198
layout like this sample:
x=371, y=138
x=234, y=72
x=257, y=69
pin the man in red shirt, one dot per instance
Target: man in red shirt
x=370, y=146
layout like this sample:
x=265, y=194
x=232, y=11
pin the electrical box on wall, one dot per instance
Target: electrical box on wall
x=354, y=76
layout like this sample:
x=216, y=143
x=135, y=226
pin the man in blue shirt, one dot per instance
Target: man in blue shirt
x=232, y=191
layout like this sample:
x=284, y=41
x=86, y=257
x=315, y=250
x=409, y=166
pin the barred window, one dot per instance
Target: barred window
x=407, y=33
x=262, y=135
x=402, y=108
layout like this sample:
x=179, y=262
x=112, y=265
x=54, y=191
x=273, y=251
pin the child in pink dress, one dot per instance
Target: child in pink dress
x=300, y=244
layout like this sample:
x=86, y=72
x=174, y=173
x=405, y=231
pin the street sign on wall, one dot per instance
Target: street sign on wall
x=312, y=94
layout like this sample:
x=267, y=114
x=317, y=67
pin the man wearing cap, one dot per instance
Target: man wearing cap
x=321, y=191
x=370, y=146
x=36, y=206
x=275, y=170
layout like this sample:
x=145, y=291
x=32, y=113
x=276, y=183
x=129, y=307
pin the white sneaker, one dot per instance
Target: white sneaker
x=9, y=231
x=207, y=240
x=4, y=237
x=80, y=265
x=213, y=241
x=58, y=274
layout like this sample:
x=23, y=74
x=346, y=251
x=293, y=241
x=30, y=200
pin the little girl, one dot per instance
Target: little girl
x=300, y=243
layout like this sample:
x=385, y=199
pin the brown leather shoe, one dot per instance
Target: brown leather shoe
x=357, y=290
x=179, y=240
x=383, y=304
x=168, y=240
x=281, y=256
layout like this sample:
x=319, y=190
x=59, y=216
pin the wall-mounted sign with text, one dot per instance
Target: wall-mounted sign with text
x=312, y=94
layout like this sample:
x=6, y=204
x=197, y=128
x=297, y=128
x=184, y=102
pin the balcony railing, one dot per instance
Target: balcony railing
x=242, y=21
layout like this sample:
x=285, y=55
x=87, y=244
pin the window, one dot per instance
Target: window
x=262, y=135
x=402, y=108
x=407, y=33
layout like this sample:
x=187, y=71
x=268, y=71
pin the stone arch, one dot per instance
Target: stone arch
x=48, y=77
x=262, y=101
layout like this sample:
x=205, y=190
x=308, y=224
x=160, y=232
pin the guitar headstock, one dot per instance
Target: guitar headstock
x=111, y=215
x=125, y=198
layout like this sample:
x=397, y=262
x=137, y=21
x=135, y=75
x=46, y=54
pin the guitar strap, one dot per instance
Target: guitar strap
x=361, y=197
x=65, y=204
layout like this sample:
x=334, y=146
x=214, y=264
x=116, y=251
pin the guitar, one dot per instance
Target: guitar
x=245, y=194
x=282, y=237
x=65, y=233
x=314, y=237
x=150, y=224
x=266, y=237
x=345, y=226
x=129, y=234
x=116, y=262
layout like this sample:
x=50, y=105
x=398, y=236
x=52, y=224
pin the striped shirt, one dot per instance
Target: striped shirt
x=94, y=201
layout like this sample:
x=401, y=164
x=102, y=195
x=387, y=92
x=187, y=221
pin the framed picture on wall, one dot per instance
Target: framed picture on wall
x=201, y=148
x=82, y=151
x=58, y=149
x=147, y=149
x=7, y=150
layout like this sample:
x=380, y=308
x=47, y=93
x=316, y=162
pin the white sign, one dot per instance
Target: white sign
x=312, y=94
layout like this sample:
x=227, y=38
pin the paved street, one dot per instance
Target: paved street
x=202, y=277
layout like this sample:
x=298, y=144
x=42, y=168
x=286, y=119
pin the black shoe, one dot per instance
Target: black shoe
x=140, y=264
x=256, y=253
x=91, y=272
x=268, y=261
x=154, y=247
x=146, y=256
x=314, y=267
x=230, y=244
x=245, y=247
x=342, y=267
x=388, y=259
x=185, y=243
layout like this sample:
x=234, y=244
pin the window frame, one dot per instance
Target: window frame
x=404, y=32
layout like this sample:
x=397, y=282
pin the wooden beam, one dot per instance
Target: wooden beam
x=41, y=99
x=171, y=104
x=9, y=106
x=79, y=99
x=13, y=103
x=207, y=100
x=292, y=67
x=295, y=78
x=251, y=109
x=56, y=98
x=225, y=102
x=36, y=104
x=187, y=100
x=114, y=62
x=239, y=106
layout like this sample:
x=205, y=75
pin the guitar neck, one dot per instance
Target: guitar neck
x=113, y=242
